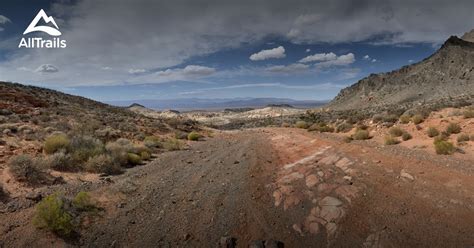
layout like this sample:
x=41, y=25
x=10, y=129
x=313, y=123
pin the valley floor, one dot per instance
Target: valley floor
x=304, y=189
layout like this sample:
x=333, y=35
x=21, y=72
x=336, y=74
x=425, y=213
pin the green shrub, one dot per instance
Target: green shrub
x=29, y=170
x=390, y=118
x=302, y=124
x=326, y=129
x=377, y=118
x=406, y=136
x=51, y=215
x=118, y=153
x=453, y=128
x=152, y=142
x=405, y=119
x=432, y=132
x=83, y=202
x=443, y=147
x=463, y=138
x=134, y=159
x=344, y=127
x=172, y=145
x=389, y=140
x=361, y=135
x=55, y=143
x=321, y=127
x=396, y=131
x=417, y=119
x=194, y=136
x=103, y=164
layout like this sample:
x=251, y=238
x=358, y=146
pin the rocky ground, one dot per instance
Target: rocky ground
x=304, y=189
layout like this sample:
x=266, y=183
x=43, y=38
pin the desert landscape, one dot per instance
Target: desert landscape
x=237, y=124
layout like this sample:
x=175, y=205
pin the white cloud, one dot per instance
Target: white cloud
x=275, y=53
x=308, y=50
x=46, y=68
x=411, y=61
x=197, y=70
x=136, y=71
x=373, y=60
x=366, y=57
x=190, y=72
x=292, y=68
x=319, y=57
x=342, y=60
x=3, y=20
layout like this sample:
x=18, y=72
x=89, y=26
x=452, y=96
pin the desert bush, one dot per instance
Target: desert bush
x=405, y=119
x=55, y=143
x=172, y=144
x=361, y=135
x=152, y=142
x=194, y=136
x=453, y=128
x=181, y=135
x=396, y=131
x=468, y=113
x=83, y=202
x=463, y=138
x=390, y=118
x=134, y=159
x=443, y=147
x=301, y=124
x=82, y=148
x=344, y=127
x=51, y=215
x=406, y=136
x=389, y=140
x=285, y=124
x=28, y=170
x=321, y=127
x=377, y=118
x=432, y=132
x=144, y=155
x=61, y=161
x=347, y=139
x=417, y=119
x=104, y=164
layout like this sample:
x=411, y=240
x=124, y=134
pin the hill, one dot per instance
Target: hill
x=446, y=77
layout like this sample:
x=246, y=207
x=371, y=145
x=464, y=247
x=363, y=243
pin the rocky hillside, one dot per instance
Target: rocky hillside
x=445, y=76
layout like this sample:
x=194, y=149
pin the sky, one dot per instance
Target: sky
x=299, y=49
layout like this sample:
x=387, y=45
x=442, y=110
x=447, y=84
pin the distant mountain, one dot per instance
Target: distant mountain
x=218, y=104
x=446, y=75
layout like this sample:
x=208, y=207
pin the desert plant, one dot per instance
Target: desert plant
x=443, y=147
x=134, y=159
x=180, y=135
x=344, y=127
x=432, y=132
x=301, y=124
x=82, y=148
x=390, y=118
x=104, y=164
x=55, y=143
x=361, y=135
x=463, y=138
x=194, y=136
x=83, y=202
x=389, y=140
x=285, y=124
x=396, y=131
x=152, y=142
x=453, y=128
x=405, y=119
x=172, y=144
x=406, y=136
x=468, y=113
x=321, y=127
x=61, y=161
x=417, y=119
x=347, y=139
x=51, y=215
x=28, y=170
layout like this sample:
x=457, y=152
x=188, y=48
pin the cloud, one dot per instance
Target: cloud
x=134, y=71
x=319, y=57
x=46, y=68
x=292, y=68
x=3, y=20
x=275, y=53
x=197, y=70
x=190, y=72
x=342, y=60
x=367, y=57
x=308, y=50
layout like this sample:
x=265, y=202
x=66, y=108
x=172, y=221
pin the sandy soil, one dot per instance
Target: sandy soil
x=304, y=189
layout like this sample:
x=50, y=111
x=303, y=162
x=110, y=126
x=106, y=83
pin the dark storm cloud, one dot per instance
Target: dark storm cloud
x=126, y=35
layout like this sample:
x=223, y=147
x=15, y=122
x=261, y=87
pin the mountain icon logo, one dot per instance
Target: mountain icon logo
x=47, y=19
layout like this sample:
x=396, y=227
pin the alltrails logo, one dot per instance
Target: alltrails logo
x=38, y=42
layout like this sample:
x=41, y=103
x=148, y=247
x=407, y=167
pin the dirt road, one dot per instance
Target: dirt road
x=304, y=189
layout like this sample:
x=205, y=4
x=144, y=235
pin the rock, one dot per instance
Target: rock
x=406, y=175
x=34, y=196
x=331, y=229
x=257, y=244
x=274, y=244
x=297, y=228
x=330, y=201
x=311, y=180
x=5, y=112
x=278, y=198
x=227, y=242
x=331, y=213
